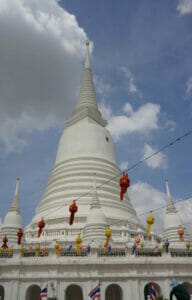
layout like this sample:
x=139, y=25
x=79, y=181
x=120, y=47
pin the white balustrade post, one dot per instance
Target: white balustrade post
x=148, y=297
x=191, y=296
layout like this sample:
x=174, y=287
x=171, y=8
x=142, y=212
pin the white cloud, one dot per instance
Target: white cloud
x=144, y=198
x=189, y=85
x=184, y=7
x=170, y=124
x=11, y=129
x=41, y=53
x=103, y=88
x=105, y=110
x=128, y=109
x=143, y=120
x=157, y=161
x=131, y=83
x=123, y=165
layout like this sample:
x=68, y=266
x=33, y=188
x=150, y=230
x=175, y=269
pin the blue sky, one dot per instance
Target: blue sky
x=142, y=67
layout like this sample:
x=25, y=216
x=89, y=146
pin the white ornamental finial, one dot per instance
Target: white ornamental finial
x=15, y=202
x=17, y=186
x=87, y=58
x=167, y=188
x=170, y=206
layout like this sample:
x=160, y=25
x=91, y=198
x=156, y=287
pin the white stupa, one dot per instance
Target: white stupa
x=172, y=220
x=13, y=219
x=85, y=147
x=96, y=223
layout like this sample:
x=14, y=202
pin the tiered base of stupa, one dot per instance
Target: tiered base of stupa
x=73, y=179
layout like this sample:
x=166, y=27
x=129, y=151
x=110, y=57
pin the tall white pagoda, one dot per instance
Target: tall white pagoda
x=85, y=148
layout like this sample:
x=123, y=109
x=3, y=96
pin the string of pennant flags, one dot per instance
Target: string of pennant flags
x=124, y=185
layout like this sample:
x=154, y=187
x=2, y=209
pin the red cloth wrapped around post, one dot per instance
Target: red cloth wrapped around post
x=73, y=209
x=5, y=241
x=19, y=234
x=124, y=184
x=41, y=225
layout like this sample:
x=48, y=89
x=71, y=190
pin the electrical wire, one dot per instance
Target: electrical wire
x=178, y=139
x=166, y=146
x=155, y=209
x=163, y=206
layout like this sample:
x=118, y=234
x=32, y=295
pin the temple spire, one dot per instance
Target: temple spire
x=15, y=202
x=170, y=206
x=13, y=220
x=172, y=220
x=87, y=97
x=87, y=57
x=17, y=186
x=87, y=103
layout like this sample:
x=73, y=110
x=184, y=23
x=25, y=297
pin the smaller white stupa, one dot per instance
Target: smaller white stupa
x=13, y=219
x=94, y=230
x=172, y=220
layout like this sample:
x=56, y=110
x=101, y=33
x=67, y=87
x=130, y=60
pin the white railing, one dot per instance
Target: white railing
x=96, y=252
